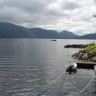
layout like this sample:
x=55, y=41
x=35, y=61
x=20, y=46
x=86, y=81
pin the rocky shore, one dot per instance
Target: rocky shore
x=87, y=54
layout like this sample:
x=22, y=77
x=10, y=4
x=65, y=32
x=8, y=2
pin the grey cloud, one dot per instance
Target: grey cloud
x=70, y=5
x=28, y=5
x=36, y=13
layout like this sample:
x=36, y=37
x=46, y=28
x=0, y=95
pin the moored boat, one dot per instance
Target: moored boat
x=71, y=68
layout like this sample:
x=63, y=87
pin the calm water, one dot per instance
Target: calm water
x=36, y=67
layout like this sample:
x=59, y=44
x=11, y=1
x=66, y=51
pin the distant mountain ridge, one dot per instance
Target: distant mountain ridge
x=9, y=30
x=39, y=33
x=88, y=36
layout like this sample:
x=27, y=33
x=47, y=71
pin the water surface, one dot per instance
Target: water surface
x=36, y=67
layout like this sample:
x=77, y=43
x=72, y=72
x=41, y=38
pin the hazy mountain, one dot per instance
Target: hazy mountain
x=43, y=33
x=8, y=30
x=88, y=36
x=67, y=35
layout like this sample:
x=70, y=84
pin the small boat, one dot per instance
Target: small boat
x=71, y=68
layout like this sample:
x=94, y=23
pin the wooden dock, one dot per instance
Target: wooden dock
x=86, y=65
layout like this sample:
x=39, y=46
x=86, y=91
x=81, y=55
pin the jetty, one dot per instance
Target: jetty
x=86, y=65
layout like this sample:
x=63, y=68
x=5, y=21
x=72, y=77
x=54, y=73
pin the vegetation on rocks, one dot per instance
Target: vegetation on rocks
x=87, y=54
x=91, y=48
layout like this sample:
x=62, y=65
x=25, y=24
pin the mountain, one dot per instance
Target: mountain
x=67, y=35
x=8, y=30
x=43, y=33
x=88, y=36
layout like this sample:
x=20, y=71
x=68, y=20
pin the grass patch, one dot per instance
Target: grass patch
x=91, y=48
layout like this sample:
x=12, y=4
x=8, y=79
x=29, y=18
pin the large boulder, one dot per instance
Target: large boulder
x=93, y=59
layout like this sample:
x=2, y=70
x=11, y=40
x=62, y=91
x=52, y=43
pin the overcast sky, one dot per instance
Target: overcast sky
x=71, y=15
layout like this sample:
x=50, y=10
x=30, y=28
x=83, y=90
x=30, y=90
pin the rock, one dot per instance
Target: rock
x=76, y=46
x=93, y=59
x=85, y=56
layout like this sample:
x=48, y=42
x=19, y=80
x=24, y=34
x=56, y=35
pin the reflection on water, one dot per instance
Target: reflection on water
x=30, y=67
